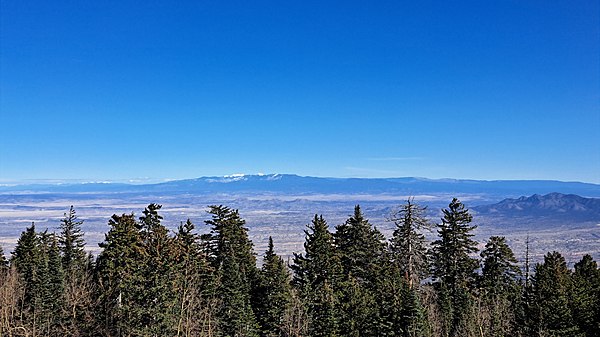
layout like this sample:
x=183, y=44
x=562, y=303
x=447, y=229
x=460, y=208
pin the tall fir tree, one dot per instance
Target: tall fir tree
x=585, y=296
x=317, y=276
x=408, y=246
x=231, y=254
x=54, y=301
x=119, y=277
x=361, y=249
x=158, y=297
x=274, y=293
x=553, y=288
x=26, y=259
x=194, y=284
x=360, y=246
x=454, y=270
x=499, y=288
x=72, y=244
x=408, y=254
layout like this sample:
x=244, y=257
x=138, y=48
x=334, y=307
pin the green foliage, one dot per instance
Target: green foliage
x=358, y=309
x=500, y=270
x=232, y=257
x=454, y=268
x=586, y=296
x=37, y=260
x=148, y=282
x=71, y=244
x=119, y=277
x=317, y=275
x=361, y=250
x=407, y=245
x=194, y=283
x=390, y=298
x=499, y=288
x=27, y=258
x=360, y=247
x=552, y=287
x=273, y=293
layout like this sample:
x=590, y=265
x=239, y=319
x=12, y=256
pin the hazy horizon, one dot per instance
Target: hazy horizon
x=148, y=180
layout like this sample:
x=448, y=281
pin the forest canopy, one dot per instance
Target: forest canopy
x=349, y=281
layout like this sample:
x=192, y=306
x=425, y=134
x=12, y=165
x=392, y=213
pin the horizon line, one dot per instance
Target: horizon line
x=154, y=181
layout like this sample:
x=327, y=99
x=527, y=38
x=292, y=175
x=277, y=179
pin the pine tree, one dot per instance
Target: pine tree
x=236, y=317
x=408, y=255
x=585, y=304
x=317, y=275
x=53, y=301
x=408, y=247
x=157, y=297
x=231, y=255
x=500, y=270
x=357, y=309
x=274, y=293
x=26, y=258
x=361, y=248
x=454, y=268
x=499, y=286
x=391, y=288
x=525, y=311
x=72, y=244
x=120, y=278
x=552, y=286
x=414, y=316
x=194, y=283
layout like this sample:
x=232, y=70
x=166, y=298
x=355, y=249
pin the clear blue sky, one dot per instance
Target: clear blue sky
x=112, y=90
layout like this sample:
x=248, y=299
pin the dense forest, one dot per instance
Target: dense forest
x=349, y=281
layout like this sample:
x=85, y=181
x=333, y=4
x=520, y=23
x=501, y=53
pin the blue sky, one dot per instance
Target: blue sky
x=103, y=90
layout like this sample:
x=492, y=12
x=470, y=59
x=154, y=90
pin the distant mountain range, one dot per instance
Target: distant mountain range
x=294, y=184
x=553, y=205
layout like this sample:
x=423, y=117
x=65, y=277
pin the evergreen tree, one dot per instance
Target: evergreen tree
x=120, y=278
x=232, y=257
x=525, y=311
x=157, y=297
x=586, y=296
x=37, y=260
x=390, y=298
x=71, y=244
x=53, y=284
x=552, y=286
x=414, y=316
x=454, y=268
x=500, y=270
x=408, y=254
x=499, y=286
x=361, y=248
x=236, y=316
x=194, y=283
x=317, y=275
x=274, y=293
x=358, y=309
x=407, y=246
x=26, y=258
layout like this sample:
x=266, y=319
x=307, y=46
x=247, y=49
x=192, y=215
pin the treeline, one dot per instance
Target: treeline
x=349, y=281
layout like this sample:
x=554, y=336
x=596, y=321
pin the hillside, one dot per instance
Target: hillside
x=553, y=205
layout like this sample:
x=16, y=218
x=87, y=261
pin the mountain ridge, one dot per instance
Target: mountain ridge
x=556, y=205
x=296, y=184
